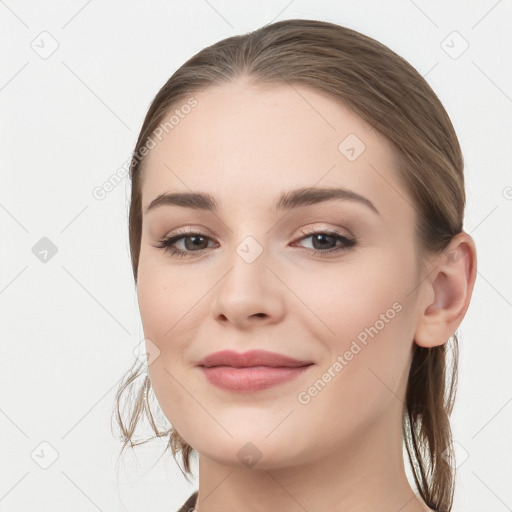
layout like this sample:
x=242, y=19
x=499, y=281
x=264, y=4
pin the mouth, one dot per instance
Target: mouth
x=250, y=379
x=252, y=358
x=251, y=371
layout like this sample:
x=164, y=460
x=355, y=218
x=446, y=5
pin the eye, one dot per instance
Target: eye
x=198, y=243
x=325, y=240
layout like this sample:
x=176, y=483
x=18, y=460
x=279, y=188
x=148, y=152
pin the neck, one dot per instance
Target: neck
x=366, y=473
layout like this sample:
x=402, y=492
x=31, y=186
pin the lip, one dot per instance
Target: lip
x=251, y=371
x=251, y=358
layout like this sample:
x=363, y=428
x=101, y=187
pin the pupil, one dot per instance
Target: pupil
x=195, y=239
x=320, y=238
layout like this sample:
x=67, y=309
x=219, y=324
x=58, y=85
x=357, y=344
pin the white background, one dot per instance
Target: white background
x=70, y=120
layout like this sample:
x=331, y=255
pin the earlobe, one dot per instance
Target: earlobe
x=447, y=292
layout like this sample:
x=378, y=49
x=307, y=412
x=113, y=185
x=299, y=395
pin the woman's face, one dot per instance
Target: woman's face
x=249, y=278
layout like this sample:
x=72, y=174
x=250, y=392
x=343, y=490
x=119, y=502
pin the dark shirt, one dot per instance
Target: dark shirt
x=190, y=504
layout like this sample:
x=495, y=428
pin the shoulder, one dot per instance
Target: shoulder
x=189, y=505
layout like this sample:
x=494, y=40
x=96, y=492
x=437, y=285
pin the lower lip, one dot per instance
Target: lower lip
x=255, y=378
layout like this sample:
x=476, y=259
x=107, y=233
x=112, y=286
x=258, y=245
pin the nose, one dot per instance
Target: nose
x=249, y=294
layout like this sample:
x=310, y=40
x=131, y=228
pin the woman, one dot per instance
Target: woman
x=296, y=234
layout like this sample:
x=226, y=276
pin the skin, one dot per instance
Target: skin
x=245, y=145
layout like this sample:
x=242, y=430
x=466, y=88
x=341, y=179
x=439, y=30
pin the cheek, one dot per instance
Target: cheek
x=364, y=374
x=168, y=298
x=170, y=307
x=348, y=298
x=366, y=316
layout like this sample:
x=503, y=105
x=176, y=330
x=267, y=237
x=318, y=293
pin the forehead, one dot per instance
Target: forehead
x=247, y=143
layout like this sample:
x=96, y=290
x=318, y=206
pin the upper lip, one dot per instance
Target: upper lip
x=251, y=358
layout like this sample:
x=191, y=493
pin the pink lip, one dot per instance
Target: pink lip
x=250, y=371
x=251, y=358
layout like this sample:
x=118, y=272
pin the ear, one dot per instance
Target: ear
x=447, y=292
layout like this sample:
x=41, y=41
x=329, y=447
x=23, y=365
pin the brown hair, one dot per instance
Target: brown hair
x=387, y=92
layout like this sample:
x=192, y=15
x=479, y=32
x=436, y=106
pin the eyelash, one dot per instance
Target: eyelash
x=167, y=242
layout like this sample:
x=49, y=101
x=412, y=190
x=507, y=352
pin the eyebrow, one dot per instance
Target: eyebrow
x=287, y=201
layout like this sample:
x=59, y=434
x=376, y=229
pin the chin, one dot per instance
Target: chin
x=251, y=453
